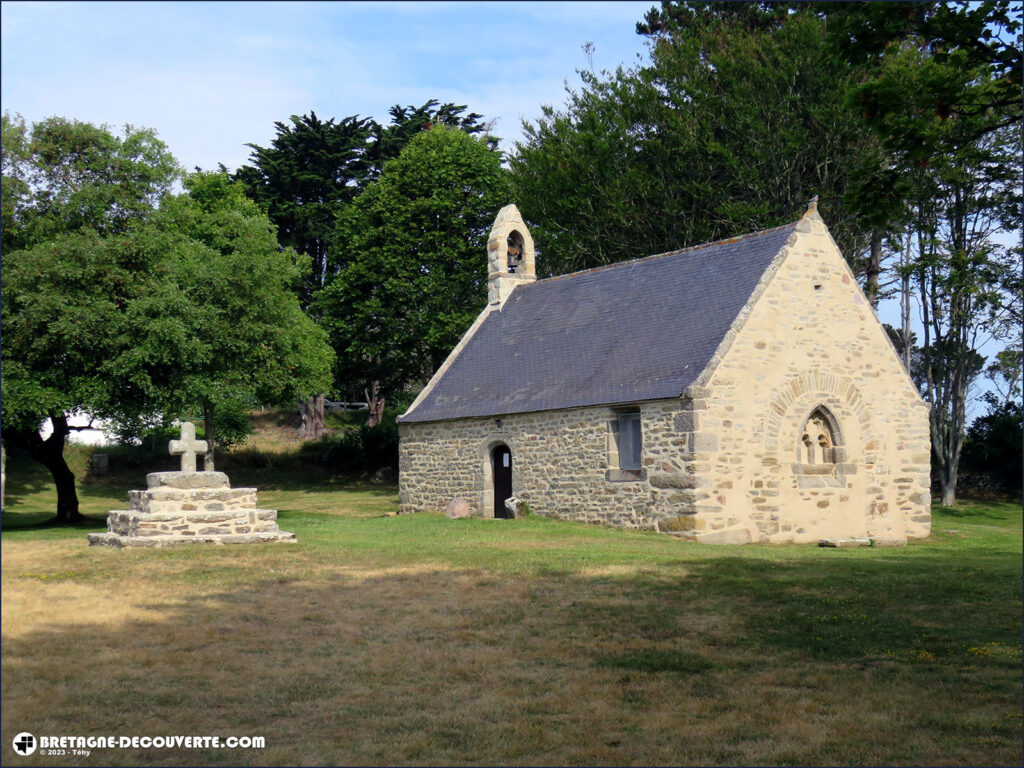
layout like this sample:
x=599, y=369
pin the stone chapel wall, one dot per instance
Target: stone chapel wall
x=812, y=342
x=806, y=428
x=562, y=465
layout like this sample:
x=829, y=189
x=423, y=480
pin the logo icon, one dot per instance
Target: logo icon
x=25, y=744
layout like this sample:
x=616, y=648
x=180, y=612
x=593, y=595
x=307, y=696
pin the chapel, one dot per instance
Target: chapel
x=738, y=391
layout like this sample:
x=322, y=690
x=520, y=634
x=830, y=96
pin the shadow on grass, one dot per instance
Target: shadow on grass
x=1007, y=513
x=21, y=522
x=561, y=658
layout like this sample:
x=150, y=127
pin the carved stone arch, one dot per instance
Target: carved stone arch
x=510, y=230
x=792, y=404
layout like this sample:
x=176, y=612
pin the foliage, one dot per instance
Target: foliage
x=238, y=329
x=71, y=272
x=411, y=257
x=736, y=122
x=310, y=170
x=63, y=175
x=993, y=450
x=959, y=273
x=970, y=70
x=314, y=168
x=125, y=311
x=406, y=122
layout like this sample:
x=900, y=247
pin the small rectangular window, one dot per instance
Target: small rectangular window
x=630, y=441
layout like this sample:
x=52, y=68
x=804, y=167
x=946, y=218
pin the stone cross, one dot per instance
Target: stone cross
x=187, y=447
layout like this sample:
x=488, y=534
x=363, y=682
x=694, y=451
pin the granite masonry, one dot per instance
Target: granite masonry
x=190, y=507
x=735, y=392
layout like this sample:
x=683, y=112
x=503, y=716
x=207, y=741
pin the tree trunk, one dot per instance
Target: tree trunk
x=312, y=413
x=376, y=404
x=50, y=453
x=905, y=328
x=210, y=430
x=874, y=269
x=947, y=486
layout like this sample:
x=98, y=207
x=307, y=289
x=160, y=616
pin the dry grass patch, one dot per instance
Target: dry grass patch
x=426, y=664
x=419, y=640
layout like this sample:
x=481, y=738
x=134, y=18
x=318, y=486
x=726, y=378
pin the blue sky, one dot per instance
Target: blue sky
x=210, y=77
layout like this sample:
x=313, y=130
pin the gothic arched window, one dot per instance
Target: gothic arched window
x=817, y=439
x=819, y=452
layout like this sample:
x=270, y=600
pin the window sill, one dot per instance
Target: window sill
x=819, y=476
x=625, y=475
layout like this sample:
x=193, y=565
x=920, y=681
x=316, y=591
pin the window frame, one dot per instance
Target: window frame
x=626, y=462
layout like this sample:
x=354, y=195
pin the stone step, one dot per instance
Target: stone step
x=121, y=541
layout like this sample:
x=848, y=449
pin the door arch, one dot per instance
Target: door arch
x=501, y=472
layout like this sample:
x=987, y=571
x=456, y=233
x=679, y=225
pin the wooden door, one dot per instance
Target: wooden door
x=501, y=461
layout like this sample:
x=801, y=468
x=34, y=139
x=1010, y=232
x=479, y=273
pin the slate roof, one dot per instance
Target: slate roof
x=633, y=331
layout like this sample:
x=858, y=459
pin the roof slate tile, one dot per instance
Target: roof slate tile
x=633, y=331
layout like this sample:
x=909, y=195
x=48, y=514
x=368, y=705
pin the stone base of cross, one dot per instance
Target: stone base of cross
x=187, y=447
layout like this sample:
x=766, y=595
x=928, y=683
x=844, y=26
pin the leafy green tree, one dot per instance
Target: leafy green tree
x=406, y=122
x=313, y=169
x=137, y=312
x=970, y=69
x=65, y=175
x=733, y=125
x=231, y=298
x=72, y=191
x=958, y=273
x=411, y=257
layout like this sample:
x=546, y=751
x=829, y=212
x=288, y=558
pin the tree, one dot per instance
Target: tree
x=993, y=446
x=231, y=296
x=131, y=315
x=406, y=122
x=71, y=193
x=733, y=125
x=971, y=70
x=411, y=257
x=313, y=169
x=958, y=274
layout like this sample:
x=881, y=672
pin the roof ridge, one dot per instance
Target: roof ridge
x=700, y=246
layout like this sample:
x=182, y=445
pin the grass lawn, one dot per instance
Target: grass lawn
x=420, y=640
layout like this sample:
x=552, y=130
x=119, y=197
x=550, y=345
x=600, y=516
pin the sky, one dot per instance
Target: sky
x=211, y=77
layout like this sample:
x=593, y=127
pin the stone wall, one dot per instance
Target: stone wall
x=560, y=465
x=812, y=340
x=722, y=463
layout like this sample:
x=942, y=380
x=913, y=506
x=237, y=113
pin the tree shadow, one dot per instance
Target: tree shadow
x=22, y=522
x=440, y=666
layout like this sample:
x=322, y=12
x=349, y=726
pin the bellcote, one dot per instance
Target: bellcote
x=510, y=255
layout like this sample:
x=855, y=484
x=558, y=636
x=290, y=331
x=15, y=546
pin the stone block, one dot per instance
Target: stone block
x=840, y=543
x=680, y=523
x=705, y=443
x=458, y=509
x=516, y=508
x=681, y=481
x=735, y=535
x=100, y=463
x=686, y=422
x=877, y=541
x=187, y=480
